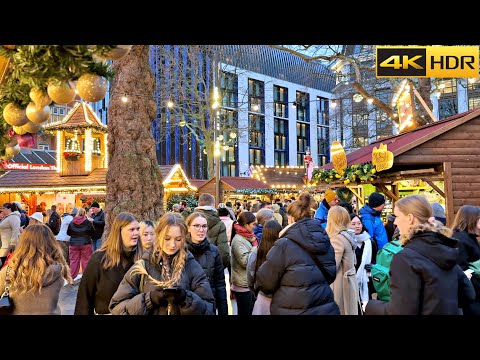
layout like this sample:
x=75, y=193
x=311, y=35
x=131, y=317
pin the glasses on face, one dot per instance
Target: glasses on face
x=198, y=226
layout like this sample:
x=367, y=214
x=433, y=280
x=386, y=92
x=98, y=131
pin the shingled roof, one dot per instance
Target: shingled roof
x=280, y=177
x=18, y=181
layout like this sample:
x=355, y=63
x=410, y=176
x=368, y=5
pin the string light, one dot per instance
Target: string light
x=124, y=99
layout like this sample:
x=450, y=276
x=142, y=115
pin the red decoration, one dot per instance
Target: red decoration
x=71, y=155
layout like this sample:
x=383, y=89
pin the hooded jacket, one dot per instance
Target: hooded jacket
x=209, y=258
x=321, y=214
x=217, y=232
x=425, y=279
x=38, y=303
x=80, y=231
x=128, y=300
x=374, y=225
x=290, y=270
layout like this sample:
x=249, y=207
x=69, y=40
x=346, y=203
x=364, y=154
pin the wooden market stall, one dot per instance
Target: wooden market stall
x=233, y=188
x=443, y=153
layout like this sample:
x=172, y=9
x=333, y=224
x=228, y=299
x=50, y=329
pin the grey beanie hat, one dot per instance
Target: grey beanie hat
x=438, y=211
x=74, y=211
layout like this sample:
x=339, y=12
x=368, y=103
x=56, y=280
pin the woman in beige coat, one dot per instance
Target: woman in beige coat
x=345, y=288
x=9, y=229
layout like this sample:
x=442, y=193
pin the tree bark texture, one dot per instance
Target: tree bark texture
x=134, y=182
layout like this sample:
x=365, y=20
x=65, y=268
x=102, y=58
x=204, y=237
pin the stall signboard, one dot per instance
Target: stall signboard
x=24, y=166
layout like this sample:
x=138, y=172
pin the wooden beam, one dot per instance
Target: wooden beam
x=447, y=170
x=390, y=194
x=435, y=187
x=425, y=106
x=358, y=194
x=396, y=192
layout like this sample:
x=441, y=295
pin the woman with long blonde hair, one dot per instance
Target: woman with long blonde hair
x=425, y=278
x=37, y=271
x=168, y=280
x=345, y=286
x=108, y=265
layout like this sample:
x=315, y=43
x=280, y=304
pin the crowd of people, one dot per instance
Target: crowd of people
x=286, y=258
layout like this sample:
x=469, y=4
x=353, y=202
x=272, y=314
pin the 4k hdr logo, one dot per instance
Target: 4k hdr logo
x=427, y=61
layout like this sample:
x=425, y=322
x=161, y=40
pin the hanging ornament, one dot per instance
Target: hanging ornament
x=37, y=115
x=117, y=53
x=19, y=130
x=12, y=150
x=62, y=93
x=92, y=87
x=26, y=140
x=40, y=97
x=14, y=115
x=32, y=127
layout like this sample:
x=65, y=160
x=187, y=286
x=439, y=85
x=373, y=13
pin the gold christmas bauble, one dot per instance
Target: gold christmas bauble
x=40, y=97
x=32, y=127
x=92, y=87
x=117, y=53
x=19, y=130
x=12, y=150
x=62, y=93
x=38, y=115
x=7, y=158
x=14, y=115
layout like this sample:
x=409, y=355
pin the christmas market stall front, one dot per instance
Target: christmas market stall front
x=233, y=188
x=177, y=187
x=439, y=160
x=80, y=165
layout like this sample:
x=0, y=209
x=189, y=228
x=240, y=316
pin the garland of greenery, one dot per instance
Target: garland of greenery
x=352, y=174
x=254, y=191
x=38, y=65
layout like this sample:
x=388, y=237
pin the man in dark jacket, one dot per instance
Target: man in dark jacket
x=54, y=222
x=217, y=232
x=98, y=221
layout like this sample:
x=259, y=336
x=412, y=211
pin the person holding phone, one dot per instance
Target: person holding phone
x=167, y=280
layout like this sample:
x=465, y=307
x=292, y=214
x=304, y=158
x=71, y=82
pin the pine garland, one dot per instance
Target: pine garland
x=352, y=174
x=255, y=191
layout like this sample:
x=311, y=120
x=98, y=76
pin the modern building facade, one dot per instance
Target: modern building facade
x=355, y=122
x=272, y=107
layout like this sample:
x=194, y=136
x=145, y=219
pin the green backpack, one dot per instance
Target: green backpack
x=380, y=270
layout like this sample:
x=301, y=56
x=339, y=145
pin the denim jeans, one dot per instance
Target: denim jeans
x=96, y=244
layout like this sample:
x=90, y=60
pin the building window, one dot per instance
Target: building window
x=448, y=101
x=360, y=129
x=323, y=133
x=280, y=100
x=256, y=96
x=43, y=147
x=281, y=142
x=256, y=141
x=383, y=122
x=473, y=95
x=229, y=89
x=302, y=102
x=303, y=141
x=229, y=124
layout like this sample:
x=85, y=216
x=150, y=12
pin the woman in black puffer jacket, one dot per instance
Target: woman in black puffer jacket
x=208, y=257
x=80, y=231
x=300, y=266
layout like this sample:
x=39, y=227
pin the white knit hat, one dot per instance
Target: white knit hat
x=37, y=216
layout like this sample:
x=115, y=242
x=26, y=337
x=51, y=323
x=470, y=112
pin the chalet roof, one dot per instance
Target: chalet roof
x=80, y=116
x=16, y=181
x=198, y=183
x=280, y=177
x=165, y=170
x=401, y=143
x=230, y=183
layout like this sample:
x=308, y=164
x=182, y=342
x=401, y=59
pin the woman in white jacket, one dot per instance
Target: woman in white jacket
x=62, y=237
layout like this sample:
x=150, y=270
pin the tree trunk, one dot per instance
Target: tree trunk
x=424, y=88
x=134, y=182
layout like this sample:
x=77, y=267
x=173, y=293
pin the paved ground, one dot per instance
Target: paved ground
x=68, y=297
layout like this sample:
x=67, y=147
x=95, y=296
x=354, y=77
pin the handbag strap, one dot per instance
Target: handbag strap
x=7, y=282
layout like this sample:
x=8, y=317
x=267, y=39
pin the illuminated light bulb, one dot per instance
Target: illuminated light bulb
x=441, y=86
x=394, y=115
x=124, y=99
x=370, y=100
x=220, y=137
x=215, y=105
x=255, y=108
x=233, y=135
x=472, y=80
x=225, y=147
x=170, y=104
x=182, y=123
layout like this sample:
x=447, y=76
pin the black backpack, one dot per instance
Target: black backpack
x=54, y=223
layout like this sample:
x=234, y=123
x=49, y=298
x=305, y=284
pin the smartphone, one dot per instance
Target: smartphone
x=170, y=290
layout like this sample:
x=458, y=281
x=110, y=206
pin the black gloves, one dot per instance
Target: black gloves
x=368, y=267
x=163, y=296
x=157, y=297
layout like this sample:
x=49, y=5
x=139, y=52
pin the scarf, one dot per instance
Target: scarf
x=350, y=236
x=362, y=275
x=250, y=236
